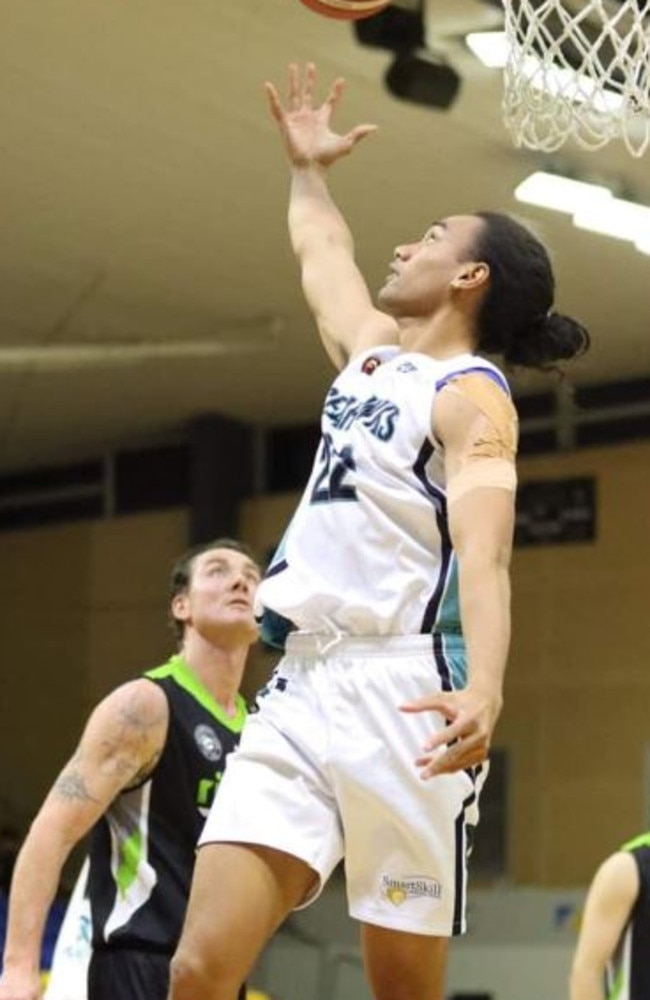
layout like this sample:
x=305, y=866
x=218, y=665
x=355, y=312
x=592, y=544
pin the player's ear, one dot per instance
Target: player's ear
x=180, y=606
x=473, y=275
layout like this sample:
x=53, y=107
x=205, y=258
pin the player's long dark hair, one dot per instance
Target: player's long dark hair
x=516, y=319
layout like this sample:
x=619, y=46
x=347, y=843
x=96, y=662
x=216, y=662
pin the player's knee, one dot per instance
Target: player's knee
x=187, y=975
x=192, y=975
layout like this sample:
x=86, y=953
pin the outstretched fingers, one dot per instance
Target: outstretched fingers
x=294, y=98
x=301, y=86
x=274, y=101
x=301, y=91
x=358, y=133
x=309, y=85
x=335, y=93
x=305, y=124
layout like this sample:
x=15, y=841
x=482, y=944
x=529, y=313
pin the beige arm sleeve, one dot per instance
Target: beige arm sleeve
x=488, y=459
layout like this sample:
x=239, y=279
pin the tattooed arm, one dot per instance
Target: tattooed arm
x=120, y=745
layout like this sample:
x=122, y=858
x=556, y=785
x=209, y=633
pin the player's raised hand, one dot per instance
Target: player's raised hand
x=305, y=127
x=465, y=740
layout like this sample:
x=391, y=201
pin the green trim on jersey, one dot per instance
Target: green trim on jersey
x=643, y=840
x=179, y=671
x=619, y=982
x=130, y=852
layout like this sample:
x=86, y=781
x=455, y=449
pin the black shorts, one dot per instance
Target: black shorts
x=125, y=974
x=128, y=975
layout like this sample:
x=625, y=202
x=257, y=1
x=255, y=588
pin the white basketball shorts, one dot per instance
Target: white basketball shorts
x=325, y=770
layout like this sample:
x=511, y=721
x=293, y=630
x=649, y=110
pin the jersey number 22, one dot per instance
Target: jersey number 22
x=334, y=468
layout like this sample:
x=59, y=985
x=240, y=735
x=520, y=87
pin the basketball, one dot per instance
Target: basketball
x=346, y=10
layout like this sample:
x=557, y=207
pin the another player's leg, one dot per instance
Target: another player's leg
x=402, y=966
x=240, y=895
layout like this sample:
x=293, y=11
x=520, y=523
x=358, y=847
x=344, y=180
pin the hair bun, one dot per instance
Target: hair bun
x=515, y=317
x=557, y=338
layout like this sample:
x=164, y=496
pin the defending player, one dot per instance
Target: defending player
x=142, y=778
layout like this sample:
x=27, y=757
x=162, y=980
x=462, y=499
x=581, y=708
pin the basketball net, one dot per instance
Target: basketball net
x=581, y=73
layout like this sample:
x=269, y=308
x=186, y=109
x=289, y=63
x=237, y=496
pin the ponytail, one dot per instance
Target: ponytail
x=516, y=318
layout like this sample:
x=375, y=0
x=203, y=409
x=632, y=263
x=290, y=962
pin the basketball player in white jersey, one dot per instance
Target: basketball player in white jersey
x=392, y=586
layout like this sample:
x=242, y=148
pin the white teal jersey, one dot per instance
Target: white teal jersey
x=368, y=550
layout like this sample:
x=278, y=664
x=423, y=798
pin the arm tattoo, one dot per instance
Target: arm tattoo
x=71, y=785
x=124, y=755
x=130, y=743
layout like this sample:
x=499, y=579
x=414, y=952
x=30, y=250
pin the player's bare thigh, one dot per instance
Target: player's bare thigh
x=402, y=966
x=240, y=894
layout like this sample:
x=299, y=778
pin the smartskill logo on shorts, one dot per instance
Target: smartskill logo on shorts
x=398, y=890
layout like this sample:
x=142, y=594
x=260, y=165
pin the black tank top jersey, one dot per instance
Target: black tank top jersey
x=142, y=850
x=628, y=975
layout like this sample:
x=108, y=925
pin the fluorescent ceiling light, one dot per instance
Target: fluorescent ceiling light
x=621, y=219
x=592, y=207
x=563, y=194
x=491, y=47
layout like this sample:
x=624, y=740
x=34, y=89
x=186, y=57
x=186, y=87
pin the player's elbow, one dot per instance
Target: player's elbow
x=485, y=558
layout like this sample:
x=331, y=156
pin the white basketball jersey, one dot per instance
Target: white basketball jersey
x=368, y=550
